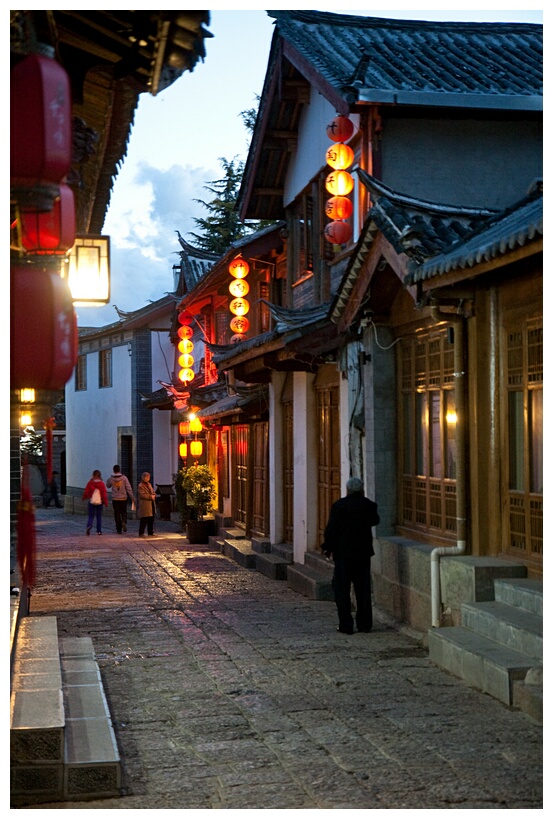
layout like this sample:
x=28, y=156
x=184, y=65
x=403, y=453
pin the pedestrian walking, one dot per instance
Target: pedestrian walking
x=348, y=539
x=146, y=505
x=97, y=495
x=121, y=491
x=54, y=492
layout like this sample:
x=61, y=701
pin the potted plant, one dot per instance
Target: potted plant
x=195, y=496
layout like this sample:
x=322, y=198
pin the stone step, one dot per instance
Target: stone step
x=310, y=582
x=273, y=566
x=524, y=593
x=234, y=533
x=487, y=665
x=92, y=762
x=283, y=550
x=240, y=551
x=261, y=545
x=512, y=627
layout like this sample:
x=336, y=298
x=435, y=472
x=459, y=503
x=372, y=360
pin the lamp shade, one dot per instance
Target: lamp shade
x=88, y=270
x=185, y=331
x=40, y=121
x=196, y=448
x=186, y=374
x=50, y=232
x=184, y=428
x=41, y=310
x=183, y=449
x=185, y=346
x=185, y=317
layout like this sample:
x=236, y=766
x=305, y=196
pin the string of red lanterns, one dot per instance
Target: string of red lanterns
x=339, y=183
x=185, y=347
x=239, y=306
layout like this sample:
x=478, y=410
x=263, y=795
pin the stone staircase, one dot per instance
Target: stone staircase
x=62, y=743
x=255, y=553
x=498, y=648
x=313, y=578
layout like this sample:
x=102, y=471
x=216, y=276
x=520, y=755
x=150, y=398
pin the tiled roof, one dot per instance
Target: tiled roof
x=406, y=61
x=513, y=228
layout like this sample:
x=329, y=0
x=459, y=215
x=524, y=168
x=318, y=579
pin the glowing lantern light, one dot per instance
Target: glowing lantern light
x=339, y=207
x=185, y=331
x=240, y=324
x=195, y=425
x=239, y=288
x=339, y=183
x=185, y=346
x=184, y=428
x=27, y=395
x=186, y=374
x=50, y=232
x=239, y=307
x=196, y=448
x=183, y=449
x=185, y=317
x=186, y=360
x=339, y=156
x=338, y=232
x=88, y=270
x=239, y=268
x=340, y=128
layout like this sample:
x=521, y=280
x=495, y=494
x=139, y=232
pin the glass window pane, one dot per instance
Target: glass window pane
x=451, y=428
x=407, y=435
x=535, y=402
x=516, y=441
x=436, y=435
x=421, y=434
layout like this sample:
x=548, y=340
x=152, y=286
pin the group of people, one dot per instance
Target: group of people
x=96, y=493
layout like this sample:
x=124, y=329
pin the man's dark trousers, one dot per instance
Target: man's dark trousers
x=120, y=514
x=358, y=573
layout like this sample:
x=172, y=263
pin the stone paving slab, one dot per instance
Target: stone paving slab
x=228, y=690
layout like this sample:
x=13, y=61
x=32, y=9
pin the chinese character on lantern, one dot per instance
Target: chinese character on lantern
x=239, y=288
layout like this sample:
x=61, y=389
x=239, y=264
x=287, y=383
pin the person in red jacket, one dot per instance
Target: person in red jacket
x=97, y=495
x=348, y=540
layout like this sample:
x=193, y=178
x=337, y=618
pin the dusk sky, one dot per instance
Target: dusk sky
x=179, y=136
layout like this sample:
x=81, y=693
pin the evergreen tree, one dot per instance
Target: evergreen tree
x=222, y=226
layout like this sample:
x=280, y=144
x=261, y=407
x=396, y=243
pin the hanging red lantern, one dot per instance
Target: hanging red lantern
x=196, y=448
x=338, y=233
x=340, y=156
x=50, y=232
x=183, y=449
x=239, y=268
x=185, y=331
x=340, y=128
x=240, y=324
x=239, y=307
x=42, y=301
x=186, y=375
x=339, y=183
x=239, y=288
x=185, y=317
x=40, y=121
x=184, y=427
x=339, y=207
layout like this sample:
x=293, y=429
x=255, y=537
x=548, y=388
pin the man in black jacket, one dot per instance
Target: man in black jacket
x=348, y=539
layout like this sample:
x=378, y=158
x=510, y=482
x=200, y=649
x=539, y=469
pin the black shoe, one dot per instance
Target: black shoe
x=344, y=631
x=124, y=527
x=364, y=630
x=88, y=528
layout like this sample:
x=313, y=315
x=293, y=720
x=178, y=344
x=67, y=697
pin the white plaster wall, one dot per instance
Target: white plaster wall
x=93, y=416
x=313, y=144
x=305, y=466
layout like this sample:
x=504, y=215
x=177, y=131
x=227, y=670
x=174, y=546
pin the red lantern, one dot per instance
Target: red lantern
x=50, y=232
x=41, y=301
x=339, y=207
x=340, y=129
x=338, y=232
x=339, y=156
x=40, y=108
x=239, y=268
x=240, y=324
x=185, y=332
x=185, y=317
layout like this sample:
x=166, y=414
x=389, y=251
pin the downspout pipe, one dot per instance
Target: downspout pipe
x=459, y=375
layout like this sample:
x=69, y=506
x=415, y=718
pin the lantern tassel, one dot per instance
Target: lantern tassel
x=26, y=534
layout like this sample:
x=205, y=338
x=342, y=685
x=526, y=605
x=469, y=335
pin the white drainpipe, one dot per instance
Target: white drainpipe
x=460, y=474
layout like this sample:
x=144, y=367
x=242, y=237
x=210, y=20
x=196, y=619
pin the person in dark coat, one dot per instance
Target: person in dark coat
x=348, y=540
x=54, y=492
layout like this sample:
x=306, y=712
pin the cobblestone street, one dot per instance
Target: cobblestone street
x=228, y=690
